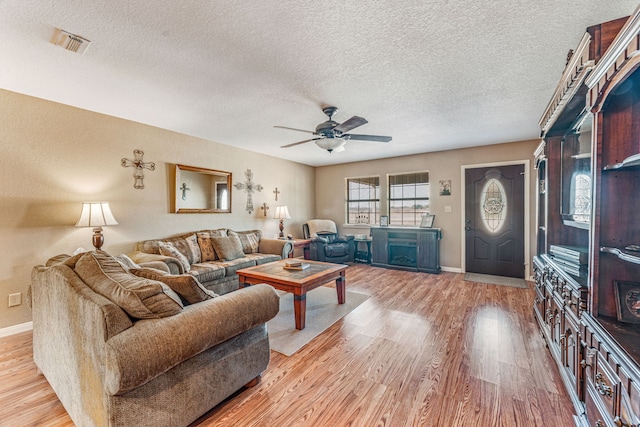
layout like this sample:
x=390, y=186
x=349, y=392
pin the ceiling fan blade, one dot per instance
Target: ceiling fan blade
x=376, y=138
x=299, y=142
x=299, y=130
x=352, y=123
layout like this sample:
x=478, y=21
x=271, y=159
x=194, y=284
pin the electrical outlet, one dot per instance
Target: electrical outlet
x=15, y=299
x=447, y=209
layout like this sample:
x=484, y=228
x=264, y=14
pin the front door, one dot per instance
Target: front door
x=494, y=220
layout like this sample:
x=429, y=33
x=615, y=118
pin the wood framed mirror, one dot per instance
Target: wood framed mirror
x=200, y=190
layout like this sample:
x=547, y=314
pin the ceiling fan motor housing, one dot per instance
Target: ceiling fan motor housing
x=326, y=129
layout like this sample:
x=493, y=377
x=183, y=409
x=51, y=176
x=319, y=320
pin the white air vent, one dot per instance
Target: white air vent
x=70, y=41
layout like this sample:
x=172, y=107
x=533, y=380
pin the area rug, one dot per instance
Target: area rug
x=496, y=280
x=323, y=311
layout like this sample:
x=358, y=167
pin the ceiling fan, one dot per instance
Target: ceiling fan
x=332, y=136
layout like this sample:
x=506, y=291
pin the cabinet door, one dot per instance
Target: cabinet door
x=379, y=246
x=571, y=350
x=429, y=251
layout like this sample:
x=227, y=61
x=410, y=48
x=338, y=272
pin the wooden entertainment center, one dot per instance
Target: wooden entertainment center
x=587, y=267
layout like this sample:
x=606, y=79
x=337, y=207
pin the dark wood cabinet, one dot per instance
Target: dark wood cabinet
x=406, y=248
x=587, y=267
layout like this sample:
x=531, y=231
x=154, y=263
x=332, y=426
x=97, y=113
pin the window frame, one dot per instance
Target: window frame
x=375, y=201
x=417, y=218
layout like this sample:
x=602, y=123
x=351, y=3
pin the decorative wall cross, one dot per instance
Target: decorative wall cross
x=249, y=186
x=276, y=192
x=138, y=166
x=184, y=190
x=264, y=208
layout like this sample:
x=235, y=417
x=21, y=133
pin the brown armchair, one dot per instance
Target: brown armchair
x=326, y=244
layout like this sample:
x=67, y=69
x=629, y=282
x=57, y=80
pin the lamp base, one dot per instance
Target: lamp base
x=281, y=236
x=98, y=238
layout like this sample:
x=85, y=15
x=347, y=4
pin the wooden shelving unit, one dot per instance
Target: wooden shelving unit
x=592, y=321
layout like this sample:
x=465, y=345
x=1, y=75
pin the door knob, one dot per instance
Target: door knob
x=468, y=228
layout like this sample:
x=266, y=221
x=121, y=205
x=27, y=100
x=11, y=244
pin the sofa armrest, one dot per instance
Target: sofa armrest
x=153, y=346
x=275, y=247
x=149, y=260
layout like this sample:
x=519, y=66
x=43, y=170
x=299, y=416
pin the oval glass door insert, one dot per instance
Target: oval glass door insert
x=493, y=204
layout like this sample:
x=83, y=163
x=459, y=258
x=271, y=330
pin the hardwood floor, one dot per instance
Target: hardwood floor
x=424, y=350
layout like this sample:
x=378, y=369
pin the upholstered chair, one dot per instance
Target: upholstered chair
x=326, y=244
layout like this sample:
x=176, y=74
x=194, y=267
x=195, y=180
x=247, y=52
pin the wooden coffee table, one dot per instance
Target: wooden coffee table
x=298, y=282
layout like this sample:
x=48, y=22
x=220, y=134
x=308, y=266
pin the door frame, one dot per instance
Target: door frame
x=527, y=211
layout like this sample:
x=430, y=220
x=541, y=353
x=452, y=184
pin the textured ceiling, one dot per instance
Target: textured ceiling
x=435, y=75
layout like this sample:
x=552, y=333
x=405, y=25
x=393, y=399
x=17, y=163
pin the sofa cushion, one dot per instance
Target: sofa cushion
x=141, y=298
x=263, y=258
x=227, y=248
x=207, y=271
x=206, y=247
x=236, y=264
x=185, y=285
x=250, y=240
x=168, y=249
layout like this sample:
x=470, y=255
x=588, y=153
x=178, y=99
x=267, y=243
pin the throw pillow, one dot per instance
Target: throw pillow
x=140, y=298
x=206, y=247
x=194, y=248
x=126, y=262
x=250, y=240
x=167, y=249
x=185, y=285
x=228, y=248
x=204, y=242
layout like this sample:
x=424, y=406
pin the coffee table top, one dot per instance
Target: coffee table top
x=275, y=271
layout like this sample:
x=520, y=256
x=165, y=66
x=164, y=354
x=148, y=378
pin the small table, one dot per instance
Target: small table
x=298, y=282
x=362, y=256
x=300, y=243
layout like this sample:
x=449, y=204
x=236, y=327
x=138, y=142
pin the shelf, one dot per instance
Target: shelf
x=625, y=256
x=629, y=162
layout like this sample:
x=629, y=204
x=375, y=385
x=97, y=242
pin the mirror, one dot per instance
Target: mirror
x=576, y=174
x=200, y=190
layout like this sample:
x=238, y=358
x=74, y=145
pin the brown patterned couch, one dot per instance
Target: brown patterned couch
x=199, y=253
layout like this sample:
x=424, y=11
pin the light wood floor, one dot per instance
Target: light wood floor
x=424, y=350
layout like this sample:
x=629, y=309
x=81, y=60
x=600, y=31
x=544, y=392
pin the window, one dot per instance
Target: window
x=363, y=200
x=408, y=198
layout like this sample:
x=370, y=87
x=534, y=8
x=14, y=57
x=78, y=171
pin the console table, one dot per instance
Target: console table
x=406, y=248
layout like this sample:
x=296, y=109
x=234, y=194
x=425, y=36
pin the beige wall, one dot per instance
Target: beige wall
x=54, y=157
x=444, y=165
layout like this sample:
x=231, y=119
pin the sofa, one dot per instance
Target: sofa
x=120, y=349
x=211, y=256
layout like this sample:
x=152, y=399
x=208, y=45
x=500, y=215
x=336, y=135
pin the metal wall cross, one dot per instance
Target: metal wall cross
x=276, y=192
x=249, y=186
x=138, y=166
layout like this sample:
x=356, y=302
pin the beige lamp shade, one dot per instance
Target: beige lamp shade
x=282, y=212
x=96, y=214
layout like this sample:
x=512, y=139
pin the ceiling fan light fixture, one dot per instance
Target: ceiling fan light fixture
x=331, y=144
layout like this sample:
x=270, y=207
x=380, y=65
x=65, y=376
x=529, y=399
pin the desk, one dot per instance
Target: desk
x=363, y=256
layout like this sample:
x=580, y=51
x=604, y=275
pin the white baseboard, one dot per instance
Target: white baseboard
x=16, y=329
x=451, y=269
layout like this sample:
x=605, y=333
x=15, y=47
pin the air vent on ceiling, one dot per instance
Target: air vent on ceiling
x=69, y=41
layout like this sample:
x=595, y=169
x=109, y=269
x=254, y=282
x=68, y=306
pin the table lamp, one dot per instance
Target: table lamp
x=282, y=213
x=96, y=214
